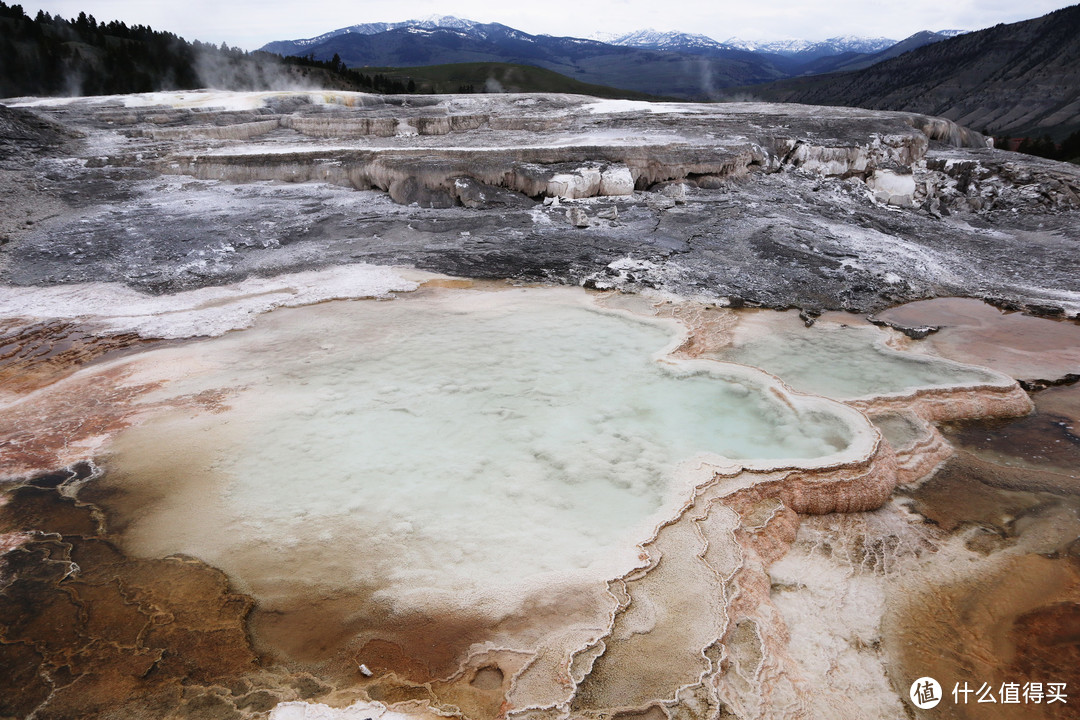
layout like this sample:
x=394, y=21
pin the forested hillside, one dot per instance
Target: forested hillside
x=49, y=55
x=1021, y=79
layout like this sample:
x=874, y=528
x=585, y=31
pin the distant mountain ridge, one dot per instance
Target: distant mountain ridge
x=1019, y=79
x=674, y=64
x=647, y=38
x=831, y=46
x=431, y=22
x=656, y=40
x=447, y=40
x=849, y=61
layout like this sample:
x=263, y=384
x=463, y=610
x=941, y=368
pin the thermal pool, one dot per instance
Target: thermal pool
x=457, y=442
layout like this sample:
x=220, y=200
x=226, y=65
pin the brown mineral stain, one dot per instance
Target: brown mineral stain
x=36, y=354
x=32, y=508
x=87, y=632
x=709, y=330
x=1012, y=617
x=312, y=631
x=1016, y=624
x=1047, y=642
x=422, y=647
x=338, y=633
x=48, y=433
x=969, y=491
x=1047, y=441
x=477, y=284
x=451, y=283
x=653, y=713
x=481, y=691
x=972, y=331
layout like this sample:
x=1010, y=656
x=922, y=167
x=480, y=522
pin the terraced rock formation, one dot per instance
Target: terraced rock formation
x=258, y=461
x=775, y=205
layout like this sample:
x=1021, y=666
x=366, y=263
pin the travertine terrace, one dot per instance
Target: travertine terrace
x=775, y=205
x=295, y=425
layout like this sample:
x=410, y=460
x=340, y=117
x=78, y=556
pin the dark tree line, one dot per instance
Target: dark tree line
x=377, y=83
x=1067, y=150
x=49, y=55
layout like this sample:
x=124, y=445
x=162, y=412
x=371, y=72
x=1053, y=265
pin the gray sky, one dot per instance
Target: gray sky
x=250, y=24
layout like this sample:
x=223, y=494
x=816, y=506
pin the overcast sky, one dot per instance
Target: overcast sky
x=250, y=24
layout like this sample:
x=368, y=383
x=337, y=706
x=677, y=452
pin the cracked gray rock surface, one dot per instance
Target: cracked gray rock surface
x=745, y=203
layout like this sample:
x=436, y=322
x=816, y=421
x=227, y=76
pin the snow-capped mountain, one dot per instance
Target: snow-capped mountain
x=779, y=47
x=656, y=40
x=649, y=39
x=699, y=70
x=670, y=64
x=832, y=46
x=431, y=22
x=804, y=50
x=853, y=43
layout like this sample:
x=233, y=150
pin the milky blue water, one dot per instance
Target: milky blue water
x=473, y=435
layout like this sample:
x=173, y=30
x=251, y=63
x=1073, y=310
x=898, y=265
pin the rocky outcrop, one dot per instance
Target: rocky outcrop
x=428, y=125
x=573, y=170
x=850, y=159
x=851, y=146
x=481, y=196
x=333, y=126
x=892, y=186
x=616, y=180
x=22, y=130
x=991, y=181
x=946, y=131
x=577, y=217
x=784, y=205
x=409, y=191
x=235, y=131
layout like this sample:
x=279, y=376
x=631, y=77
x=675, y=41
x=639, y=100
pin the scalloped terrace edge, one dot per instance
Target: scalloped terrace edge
x=727, y=497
